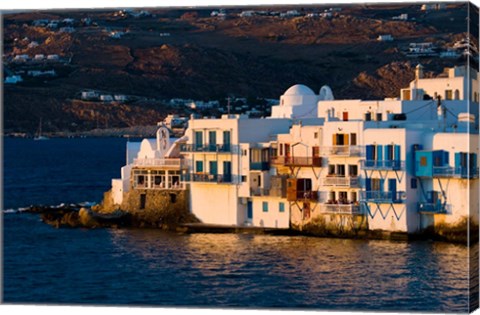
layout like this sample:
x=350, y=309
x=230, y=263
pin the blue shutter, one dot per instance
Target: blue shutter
x=213, y=168
x=199, y=166
x=388, y=152
x=379, y=153
x=397, y=153
x=382, y=184
x=281, y=207
x=369, y=152
x=458, y=160
x=392, y=187
x=472, y=164
x=445, y=158
x=368, y=184
x=265, y=206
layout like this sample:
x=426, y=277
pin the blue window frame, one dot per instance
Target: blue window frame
x=199, y=166
x=281, y=207
x=265, y=206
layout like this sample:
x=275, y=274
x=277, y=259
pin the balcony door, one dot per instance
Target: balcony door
x=198, y=139
x=227, y=171
x=212, y=140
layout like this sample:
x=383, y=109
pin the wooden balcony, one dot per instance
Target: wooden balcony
x=296, y=161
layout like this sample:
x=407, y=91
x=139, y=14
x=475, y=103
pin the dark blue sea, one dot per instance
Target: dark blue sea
x=45, y=265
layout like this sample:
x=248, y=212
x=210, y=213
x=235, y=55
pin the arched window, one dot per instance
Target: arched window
x=457, y=95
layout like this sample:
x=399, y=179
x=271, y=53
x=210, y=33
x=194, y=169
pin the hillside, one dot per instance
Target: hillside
x=186, y=53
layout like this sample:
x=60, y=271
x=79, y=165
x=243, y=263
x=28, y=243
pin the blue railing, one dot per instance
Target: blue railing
x=259, y=166
x=383, y=196
x=457, y=172
x=394, y=165
x=210, y=178
x=431, y=207
x=214, y=148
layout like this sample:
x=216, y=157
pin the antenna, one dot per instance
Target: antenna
x=228, y=105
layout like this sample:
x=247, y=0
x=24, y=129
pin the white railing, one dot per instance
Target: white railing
x=340, y=208
x=175, y=162
x=343, y=150
x=340, y=181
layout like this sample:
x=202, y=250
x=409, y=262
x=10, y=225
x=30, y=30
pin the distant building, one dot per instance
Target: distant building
x=21, y=58
x=53, y=57
x=39, y=57
x=403, y=17
x=67, y=29
x=39, y=73
x=385, y=38
x=106, y=98
x=433, y=6
x=89, y=95
x=249, y=13
x=14, y=79
x=120, y=97
x=33, y=44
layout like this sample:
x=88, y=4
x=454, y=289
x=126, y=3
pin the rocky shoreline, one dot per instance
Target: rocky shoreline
x=77, y=216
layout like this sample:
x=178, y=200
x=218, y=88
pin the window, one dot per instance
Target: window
x=413, y=183
x=244, y=178
x=315, y=135
x=353, y=196
x=281, y=207
x=406, y=95
x=353, y=170
x=315, y=151
x=281, y=149
x=342, y=197
x=331, y=169
x=199, y=166
x=376, y=184
x=341, y=170
x=457, y=94
x=353, y=139
x=423, y=161
x=448, y=94
x=265, y=206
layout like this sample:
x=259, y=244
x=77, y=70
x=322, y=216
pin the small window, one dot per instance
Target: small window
x=331, y=169
x=265, y=206
x=199, y=166
x=244, y=178
x=281, y=207
x=353, y=139
x=413, y=183
x=448, y=94
x=423, y=161
x=315, y=135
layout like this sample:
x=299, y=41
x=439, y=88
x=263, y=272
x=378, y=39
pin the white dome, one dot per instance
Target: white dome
x=299, y=89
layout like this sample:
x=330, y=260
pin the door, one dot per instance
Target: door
x=249, y=210
x=198, y=139
x=227, y=171
x=226, y=141
x=213, y=168
x=143, y=201
x=212, y=141
x=392, y=188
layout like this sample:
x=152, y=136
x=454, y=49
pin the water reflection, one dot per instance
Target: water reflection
x=279, y=271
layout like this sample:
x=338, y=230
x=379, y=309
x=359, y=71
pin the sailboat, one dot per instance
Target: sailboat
x=39, y=134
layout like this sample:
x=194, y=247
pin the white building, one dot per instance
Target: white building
x=399, y=165
x=385, y=38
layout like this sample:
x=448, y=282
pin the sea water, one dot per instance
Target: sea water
x=45, y=265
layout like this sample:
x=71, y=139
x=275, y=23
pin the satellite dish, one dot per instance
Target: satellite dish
x=326, y=94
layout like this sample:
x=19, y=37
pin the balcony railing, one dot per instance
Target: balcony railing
x=343, y=150
x=338, y=181
x=394, y=165
x=340, y=208
x=303, y=196
x=259, y=166
x=455, y=172
x=210, y=178
x=159, y=162
x=259, y=192
x=213, y=148
x=433, y=208
x=383, y=196
x=169, y=186
x=296, y=161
